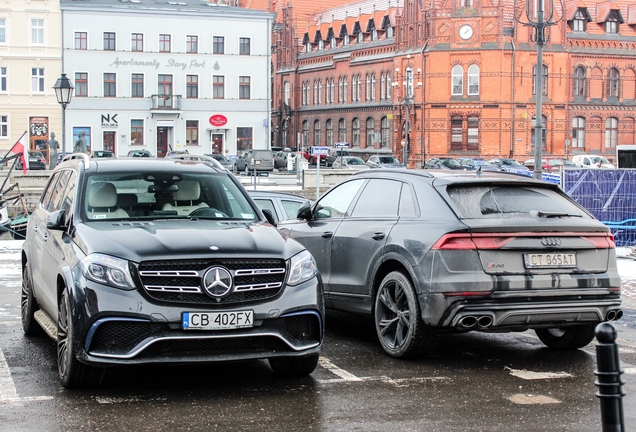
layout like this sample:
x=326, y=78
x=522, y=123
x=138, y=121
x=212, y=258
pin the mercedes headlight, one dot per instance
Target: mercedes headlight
x=107, y=270
x=302, y=268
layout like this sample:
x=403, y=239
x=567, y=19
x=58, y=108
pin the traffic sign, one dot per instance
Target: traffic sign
x=341, y=144
x=320, y=150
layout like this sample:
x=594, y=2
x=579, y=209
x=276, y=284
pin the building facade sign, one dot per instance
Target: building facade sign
x=194, y=63
x=109, y=121
x=218, y=120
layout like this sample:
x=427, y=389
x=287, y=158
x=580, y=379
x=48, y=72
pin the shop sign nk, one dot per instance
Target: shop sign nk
x=218, y=120
x=109, y=121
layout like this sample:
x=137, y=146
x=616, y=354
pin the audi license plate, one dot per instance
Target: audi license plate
x=550, y=260
x=217, y=320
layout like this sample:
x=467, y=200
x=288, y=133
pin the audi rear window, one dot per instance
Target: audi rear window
x=508, y=201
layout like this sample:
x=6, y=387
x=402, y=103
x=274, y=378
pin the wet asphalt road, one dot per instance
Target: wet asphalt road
x=474, y=382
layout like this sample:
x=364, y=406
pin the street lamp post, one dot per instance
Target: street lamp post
x=408, y=98
x=63, y=92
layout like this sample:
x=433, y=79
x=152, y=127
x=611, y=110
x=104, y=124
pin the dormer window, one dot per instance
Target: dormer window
x=320, y=45
x=579, y=23
x=389, y=32
x=346, y=40
x=374, y=35
x=612, y=22
x=334, y=42
x=308, y=47
x=360, y=37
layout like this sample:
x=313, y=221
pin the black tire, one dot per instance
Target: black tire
x=294, y=366
x=28, y=306
x=400, y=330
x=567, y=338
x=73, y=374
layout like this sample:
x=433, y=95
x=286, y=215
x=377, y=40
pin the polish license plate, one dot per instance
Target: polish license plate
x=550, y=260
x=217, y=320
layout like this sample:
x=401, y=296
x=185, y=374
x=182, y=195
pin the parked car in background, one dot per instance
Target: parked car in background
x=282, y=205
x=592, y=161
x=313, y=158
x=102, y=154
x=164, y=262
x=335, y=153
x=477, y=163
x=35, y=159
x=175, y=153
x=551, y=164
x=384, y=161
x=139, y=153
x=350, y=162
x=281, y=159
x=426, y=252
x=254, y=160
x=443, y=163
x=225, y=163
x=510, y=165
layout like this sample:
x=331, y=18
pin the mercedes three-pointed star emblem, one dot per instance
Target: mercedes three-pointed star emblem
x=217, y=281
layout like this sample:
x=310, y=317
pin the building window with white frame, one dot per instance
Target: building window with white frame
x=244, y=46
x=613, y=22
x=544, y=84
x=244, y=87
x=3, y=30
x=613, y=81
x=345, y=90
x=578, y=83
x=218, y=87
x=359, y=88
x=137, y=42
x=611, y=132
x=110, y=85
x=382, y=86
x=81, y=40
x=355, y=132
x=579, y=23
x=37, y=80
x=109, y=41
x=286, y=92
x=136, y=132
x=578, y=132
x=340, y=88
x=386, y=132
x=192, y=44
x=192, y=132
x=373, y=88
x=342, y=130
x=37, y=31
x=370, y=132
x=329, y=133
x=218, y=45
x=164, y=43
x=368, y=88
x=317, y=133
x=4, y=126
x=137, y=85
x=388, y=85
x=192, y=86
x=473, y=80
x=319, y=92
x=457, y=74
x=81, y=84
x=3, y=79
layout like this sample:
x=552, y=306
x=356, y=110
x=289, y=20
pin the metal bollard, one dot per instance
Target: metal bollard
x=609, y=381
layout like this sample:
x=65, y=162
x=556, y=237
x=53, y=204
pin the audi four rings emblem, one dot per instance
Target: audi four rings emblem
x=550, y=241
x=217, y=281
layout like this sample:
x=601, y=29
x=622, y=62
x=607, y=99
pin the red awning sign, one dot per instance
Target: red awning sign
x=218, y=120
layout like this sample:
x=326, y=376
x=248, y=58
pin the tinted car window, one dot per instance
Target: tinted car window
x=291, y=208
x=408, y=205
x=45, y=201
x=69, y=194
x=337, y=201
x=370, y=205
x=505, y=201
x=266, y=204
x=58, y=193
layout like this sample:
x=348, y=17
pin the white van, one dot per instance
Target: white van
x=592, y=161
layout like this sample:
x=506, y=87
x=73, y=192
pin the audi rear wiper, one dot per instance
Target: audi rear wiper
x=549, y=214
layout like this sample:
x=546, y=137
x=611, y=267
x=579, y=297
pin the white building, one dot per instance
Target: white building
x=30, y=63
x=167, y=75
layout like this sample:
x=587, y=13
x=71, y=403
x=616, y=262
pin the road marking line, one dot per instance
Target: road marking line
x=7, y=387
x=529, y=399
x=346, y=376
x=531, y=375
x=8, y=393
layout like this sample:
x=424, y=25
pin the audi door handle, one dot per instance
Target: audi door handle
x=378, y=236
x=327, y=234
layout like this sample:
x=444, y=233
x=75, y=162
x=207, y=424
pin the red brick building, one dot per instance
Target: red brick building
x=340, y=76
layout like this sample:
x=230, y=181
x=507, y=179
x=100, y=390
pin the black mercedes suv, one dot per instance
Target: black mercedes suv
x=164, y=261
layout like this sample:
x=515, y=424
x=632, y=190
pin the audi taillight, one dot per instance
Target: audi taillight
x=468, y=241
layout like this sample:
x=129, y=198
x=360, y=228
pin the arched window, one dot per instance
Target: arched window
x=544, y=121
x=544, y=84
x=317, y=137
x=370, y=132
x=305, y=142
x=473, y=80
x=578, y=84
x=578, y=132
x=319, y=92
x=342, y=130
x=304, y=96
x=340, y=90
x=287, y=92
x=382, y=86
x=457, y=80
x=613, y=79
x=388, y=85
x=333, y=90
x=368, y=88
x=354, y=88
x=373, y=90
x=359, y=88
x=386, y=132
x=355, y=132
x=345, y=91
x=611, y=132
x=315, y=92
x=329, y=133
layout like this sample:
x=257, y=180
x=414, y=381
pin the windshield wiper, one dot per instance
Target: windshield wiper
x=551, y=214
